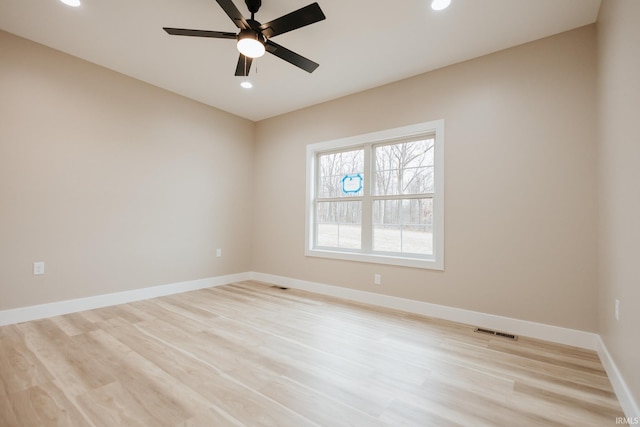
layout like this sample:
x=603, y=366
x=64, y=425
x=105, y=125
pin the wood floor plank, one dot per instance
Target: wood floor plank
x=335, y=375
x=591, y=366
x=211, y=417
x=73, y=324
x=46, y=405
x=323, y=409
x=249, y=355
x=169, y=402
x=400, y=413
x=7, y=414
x=219, y=359
x=21, y=366
x=112, y=405
x=530, y=369
x=64, y=358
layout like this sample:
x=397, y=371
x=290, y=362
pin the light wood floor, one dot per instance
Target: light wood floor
x=252, y=355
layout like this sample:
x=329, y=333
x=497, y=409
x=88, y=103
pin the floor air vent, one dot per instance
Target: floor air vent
x=496, y=333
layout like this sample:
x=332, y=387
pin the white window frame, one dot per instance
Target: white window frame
x=434, y=261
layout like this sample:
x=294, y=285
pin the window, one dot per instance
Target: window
x=378, y=197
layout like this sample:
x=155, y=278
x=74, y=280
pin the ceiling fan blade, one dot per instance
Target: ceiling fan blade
x=244, y=65
x=199, y=33
x=232, y=11
x=291, y=57
x=292, y=21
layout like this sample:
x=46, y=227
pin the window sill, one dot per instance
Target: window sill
x=425, y=263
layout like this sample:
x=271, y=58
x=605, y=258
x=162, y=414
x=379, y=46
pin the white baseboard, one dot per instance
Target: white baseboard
x=24, y=314
x=526, y=328
x=628, y=403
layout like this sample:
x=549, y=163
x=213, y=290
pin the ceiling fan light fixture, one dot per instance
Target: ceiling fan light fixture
x=440, y=4
x=251, y=43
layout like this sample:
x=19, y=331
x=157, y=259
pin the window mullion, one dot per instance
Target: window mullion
x=367, y=204
x=314, y=220
x=339, y=199
x=404, y=196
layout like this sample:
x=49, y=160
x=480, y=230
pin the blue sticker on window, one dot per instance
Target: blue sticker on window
x=352, y=184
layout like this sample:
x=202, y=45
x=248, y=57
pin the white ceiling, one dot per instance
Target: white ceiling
x=362, y=43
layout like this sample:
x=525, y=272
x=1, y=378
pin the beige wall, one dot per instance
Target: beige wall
x=520, y=183
x=115, y=184
x=619, y=184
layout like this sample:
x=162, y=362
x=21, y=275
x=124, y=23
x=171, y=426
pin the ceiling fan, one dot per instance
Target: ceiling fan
x=254, y=38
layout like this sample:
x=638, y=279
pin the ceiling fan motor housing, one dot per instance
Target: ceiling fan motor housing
x=251, y=34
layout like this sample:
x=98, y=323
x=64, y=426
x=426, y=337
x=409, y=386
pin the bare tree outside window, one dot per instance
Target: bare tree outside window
x=403, y=218
x=334, y=166
x=339, y=222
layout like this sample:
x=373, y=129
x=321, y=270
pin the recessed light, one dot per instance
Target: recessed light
x=440, y=4
x=72, y=3
x=246, y=84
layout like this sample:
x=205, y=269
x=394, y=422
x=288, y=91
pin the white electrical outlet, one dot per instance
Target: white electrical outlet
x=617, y=309
x=377, y=279
x=218, y=252
x=38, y=268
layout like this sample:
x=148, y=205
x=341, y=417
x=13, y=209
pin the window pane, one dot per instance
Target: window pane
x=339, y=224
x=403, y=226
x=341, y=174
x=404, y=168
